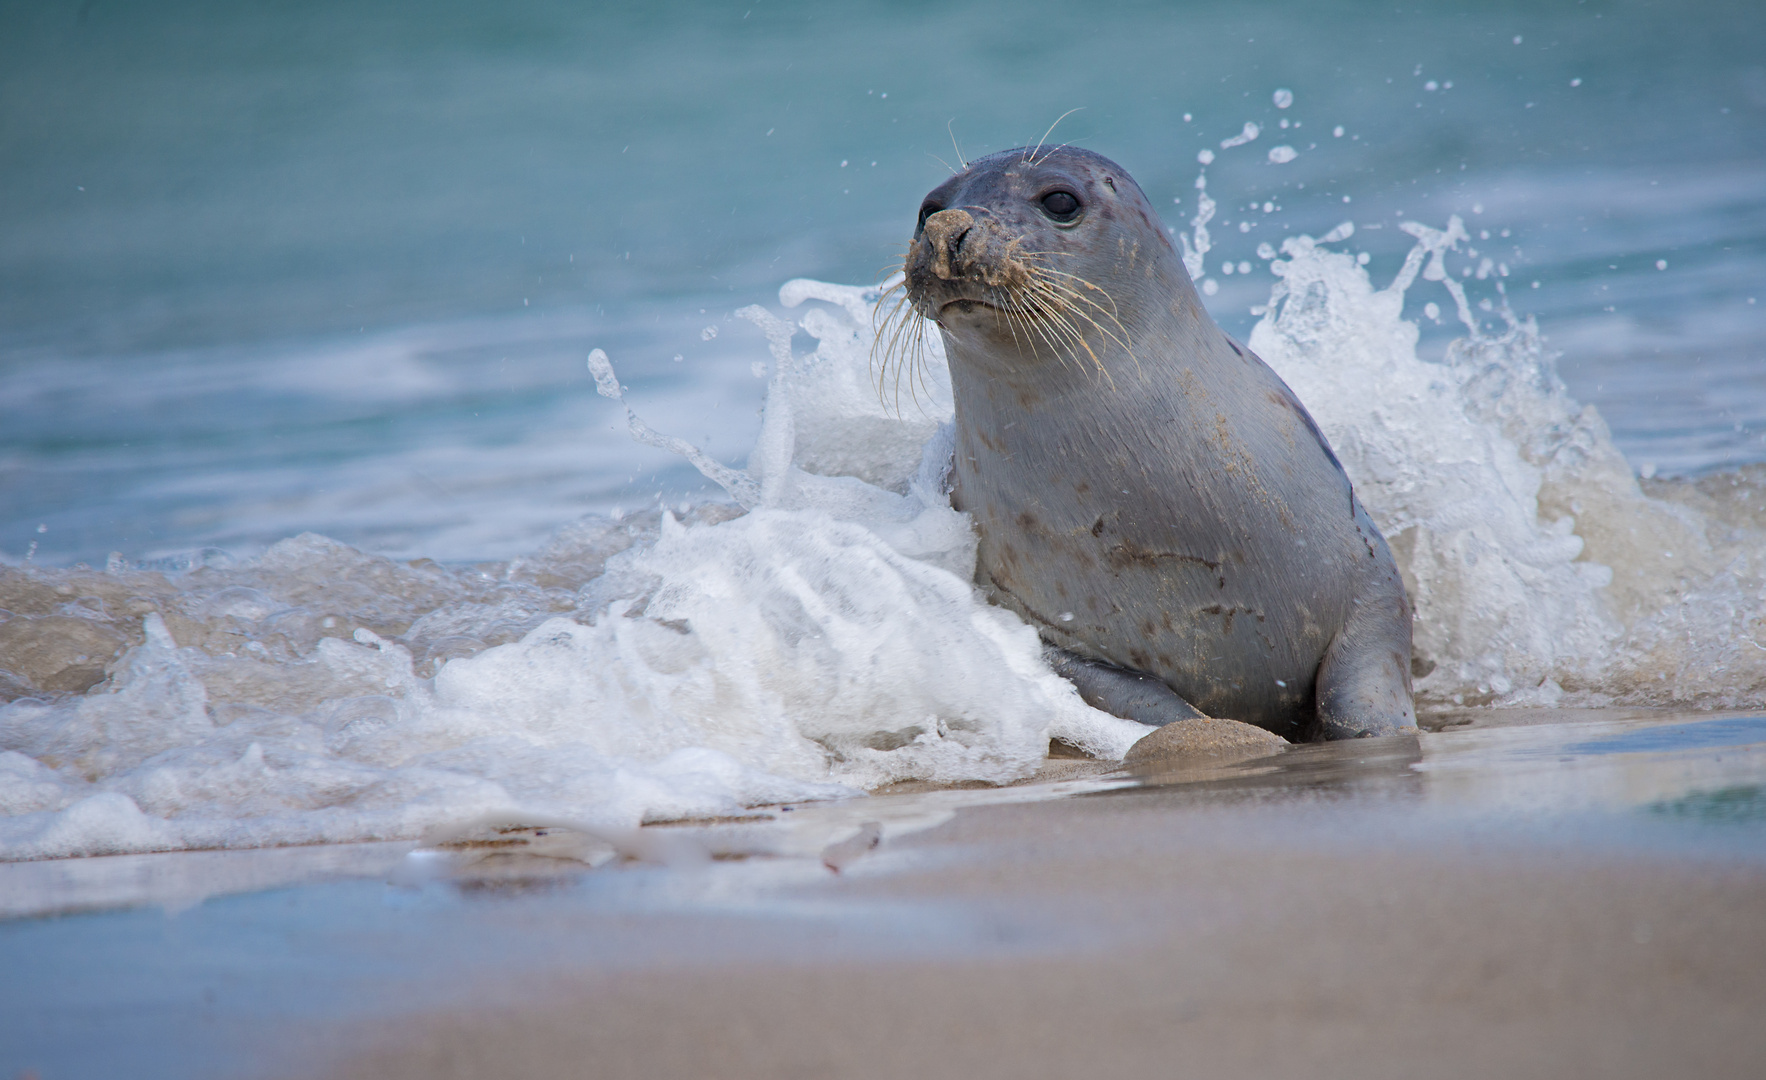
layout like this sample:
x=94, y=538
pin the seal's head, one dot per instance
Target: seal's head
x=1046, y=253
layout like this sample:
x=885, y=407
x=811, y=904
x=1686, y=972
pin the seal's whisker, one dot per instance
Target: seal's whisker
x=916, y=356
x=1058, y=313
x=1082, y=282
x=1053, y=330
x=1015, y=322
x=1021, y=319
x=1073, y=284
x=1031, y=157
x=1036, y=267
x=1071, y=299
x=895, y=354
x=899, y=341
x=953, y=140
x=888, y=335
x=919, y=361
x=1041, y=314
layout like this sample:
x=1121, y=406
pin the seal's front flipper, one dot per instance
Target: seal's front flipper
x=1364, y=681
x=1132, y=695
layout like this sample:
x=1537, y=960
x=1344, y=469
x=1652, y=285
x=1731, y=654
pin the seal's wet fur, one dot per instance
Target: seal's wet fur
x=1147, y=492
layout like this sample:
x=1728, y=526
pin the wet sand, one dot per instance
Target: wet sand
x=1543, y=894
x=1186, y=942
x=1327, y=918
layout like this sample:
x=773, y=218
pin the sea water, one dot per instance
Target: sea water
x=323, y=520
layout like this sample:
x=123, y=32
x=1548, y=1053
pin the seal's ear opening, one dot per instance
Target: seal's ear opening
x=1110, y=182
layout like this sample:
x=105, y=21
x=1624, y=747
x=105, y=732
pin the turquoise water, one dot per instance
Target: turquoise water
x=281, y=267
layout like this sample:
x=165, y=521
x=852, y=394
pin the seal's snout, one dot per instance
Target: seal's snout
x=945, y=233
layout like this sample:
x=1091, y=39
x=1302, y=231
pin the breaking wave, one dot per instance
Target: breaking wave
x=820, y=635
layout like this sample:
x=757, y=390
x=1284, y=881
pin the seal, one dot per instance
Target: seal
x=1146, y=492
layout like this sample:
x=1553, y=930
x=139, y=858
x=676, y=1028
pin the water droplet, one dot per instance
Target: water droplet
x=1283, y=98
x=1245, y=135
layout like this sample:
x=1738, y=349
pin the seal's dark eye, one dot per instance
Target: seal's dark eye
x=926, y=211
x=1061, y=205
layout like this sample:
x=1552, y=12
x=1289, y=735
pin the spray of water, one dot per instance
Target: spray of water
x=821, y=635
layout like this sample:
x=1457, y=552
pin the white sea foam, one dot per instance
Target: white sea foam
x=1540, y=571
x=825, y=642
x=821, y=637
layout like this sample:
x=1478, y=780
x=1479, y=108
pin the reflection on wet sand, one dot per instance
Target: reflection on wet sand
x=1520, y=889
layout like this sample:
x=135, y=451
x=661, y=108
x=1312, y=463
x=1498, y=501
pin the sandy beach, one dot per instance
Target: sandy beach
x=1543, y=893
x=1224, y=928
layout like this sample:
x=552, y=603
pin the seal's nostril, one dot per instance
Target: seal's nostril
x=944, y=233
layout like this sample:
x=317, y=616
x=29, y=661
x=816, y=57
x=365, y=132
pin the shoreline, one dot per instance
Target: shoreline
x=1521, y=895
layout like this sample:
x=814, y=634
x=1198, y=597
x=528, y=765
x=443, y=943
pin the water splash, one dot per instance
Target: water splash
x=825, y=641
x=821, y=635
x=1539, y=570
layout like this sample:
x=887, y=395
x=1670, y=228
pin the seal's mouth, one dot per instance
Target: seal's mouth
x=966, y=305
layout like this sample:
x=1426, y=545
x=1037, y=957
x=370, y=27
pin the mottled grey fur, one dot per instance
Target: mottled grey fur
x=1155, y=500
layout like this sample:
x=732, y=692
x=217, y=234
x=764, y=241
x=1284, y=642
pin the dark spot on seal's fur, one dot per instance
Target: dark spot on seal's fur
x=1227, y=614
x=1127, y=554
x=1097, y=528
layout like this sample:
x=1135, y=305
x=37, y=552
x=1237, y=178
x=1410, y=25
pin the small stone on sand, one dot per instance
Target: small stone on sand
x=1203, y=742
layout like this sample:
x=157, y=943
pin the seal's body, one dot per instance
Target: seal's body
x=1147, y=492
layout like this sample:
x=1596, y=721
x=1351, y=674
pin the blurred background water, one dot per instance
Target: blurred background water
x=274, y=267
